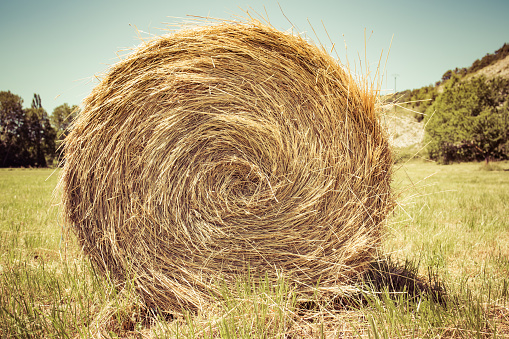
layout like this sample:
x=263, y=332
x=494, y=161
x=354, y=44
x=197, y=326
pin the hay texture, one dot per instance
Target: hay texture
x=216, y=149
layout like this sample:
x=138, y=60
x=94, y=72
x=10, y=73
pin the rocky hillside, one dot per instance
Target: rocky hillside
x=498, y=68
x=404, y=131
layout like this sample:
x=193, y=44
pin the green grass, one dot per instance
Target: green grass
x=27, y=219
x=444, y=272
x=455, y=224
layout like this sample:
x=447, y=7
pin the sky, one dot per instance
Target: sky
x=60, y=48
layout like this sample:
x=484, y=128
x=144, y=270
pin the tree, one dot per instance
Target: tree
x=447, y=75
x=40, y=134
x=26, y=135
x=12, y=119
x=469, y=120
x=62, y=117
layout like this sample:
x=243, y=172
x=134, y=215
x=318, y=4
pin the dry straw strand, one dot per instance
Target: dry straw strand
x=212, y=150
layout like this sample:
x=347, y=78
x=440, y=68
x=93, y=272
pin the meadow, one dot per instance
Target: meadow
x=443, y=271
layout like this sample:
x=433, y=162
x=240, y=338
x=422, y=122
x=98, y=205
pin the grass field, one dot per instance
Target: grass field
x=444, y=272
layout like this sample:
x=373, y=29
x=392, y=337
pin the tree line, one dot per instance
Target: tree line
x=29, y=137
x=465, y=119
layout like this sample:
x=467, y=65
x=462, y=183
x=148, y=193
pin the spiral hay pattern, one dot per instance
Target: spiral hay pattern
x=217, y=149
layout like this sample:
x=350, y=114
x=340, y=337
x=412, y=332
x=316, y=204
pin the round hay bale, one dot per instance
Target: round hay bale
x=217, y=149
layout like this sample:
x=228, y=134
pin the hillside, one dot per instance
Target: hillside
x=491, y=60
x=404, y=122
x=498, y=68
x=404, y=130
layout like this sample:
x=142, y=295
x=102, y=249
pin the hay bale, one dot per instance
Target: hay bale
x=215, y=149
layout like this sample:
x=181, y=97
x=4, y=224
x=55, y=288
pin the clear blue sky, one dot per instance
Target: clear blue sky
x=54, y=48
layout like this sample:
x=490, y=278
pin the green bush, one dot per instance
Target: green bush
x=469, y=121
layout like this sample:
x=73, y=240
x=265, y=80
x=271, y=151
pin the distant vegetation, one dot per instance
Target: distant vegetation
x=29, y=137
x=466, y=114
x=489, y=59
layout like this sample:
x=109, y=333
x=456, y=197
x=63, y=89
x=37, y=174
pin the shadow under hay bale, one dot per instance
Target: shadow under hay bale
x=384, y=278
x=386, y=274
x=215, y=149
